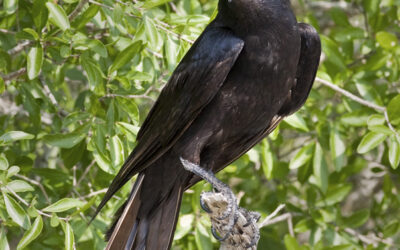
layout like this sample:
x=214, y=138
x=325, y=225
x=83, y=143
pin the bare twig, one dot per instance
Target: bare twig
x=85, y=172
x=14, y=74
x=275, y=220
x=350, y=95
x=144, y=95
x=7, y=32
x=370, y=239
x=101, y=191
x=20, y=47
x=362, y=102
x=28, y=205
x=272, y=215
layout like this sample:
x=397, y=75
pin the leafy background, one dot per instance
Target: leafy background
x=78, y=77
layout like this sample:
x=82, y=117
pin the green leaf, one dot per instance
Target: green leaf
x=386, y=40
x=302, y=156
x=3, y=163
x=103, y=162
x=39, y=13
x=10, y=6
x=202, y=238
x=32, y=233
x=125, y=56
x=185, y=225
x=13, y=170
x=267, y=159
x=2, y=85
x=19, y=186
x=69, y=237
x=394, y=152
x=338, y=149
x=370, y=141
x=98, y=47
x=16, y=212
x=12, y=136
x=151, y=32
x=3, y=240
x=297, y=121
x=303, y=226
x=57, y=16
x=321, y=172
x=393, y=110
x=32, y=32
x=93, y=72
x=67, y=140
x=116, y=151
x=170, y=51
x=154, y=3
x=357, y=219
x=335, y=194
x=291, y=243
x=391, y=228
x=54, y=221
x=86, y=16
x=128, y=127
x=63, y=205
x=64, y=140
x=34, y=62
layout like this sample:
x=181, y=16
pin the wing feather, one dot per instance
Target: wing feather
x=191, y=87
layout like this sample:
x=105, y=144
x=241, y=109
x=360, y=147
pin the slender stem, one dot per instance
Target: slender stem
x=351, y=96
x=14, y=74
x=28, y=205
x=362, y=102
x=35, y=183
x=272, y=215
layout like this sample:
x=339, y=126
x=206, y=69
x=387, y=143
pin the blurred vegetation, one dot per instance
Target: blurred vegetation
x=78, y=77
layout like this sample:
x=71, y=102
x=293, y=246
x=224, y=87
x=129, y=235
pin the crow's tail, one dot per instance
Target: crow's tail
x=144, y=224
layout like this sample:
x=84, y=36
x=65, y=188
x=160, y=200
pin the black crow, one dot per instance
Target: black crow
x=252, y=66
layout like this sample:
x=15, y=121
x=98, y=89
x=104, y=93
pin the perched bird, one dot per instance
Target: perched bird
x=252, y=66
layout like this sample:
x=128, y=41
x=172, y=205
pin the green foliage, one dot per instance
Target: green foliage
x=78, y=77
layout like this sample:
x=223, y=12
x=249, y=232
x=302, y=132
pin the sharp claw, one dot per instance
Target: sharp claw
x=204, y=205
x=216, y=236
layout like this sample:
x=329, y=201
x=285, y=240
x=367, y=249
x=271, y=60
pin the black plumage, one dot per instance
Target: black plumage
x=252, y=66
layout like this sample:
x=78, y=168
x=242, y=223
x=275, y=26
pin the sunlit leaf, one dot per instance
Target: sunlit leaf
x=12, y=136
x=321, y=172
x=63, y=205
x=16, y=212
x=302, y=156
x=32, y=233
x=394, y=153
x=370, y=141
x=57, y=16
x=126, y=55
x=3, y=163
x=19, y=186
x=3, y=240
x=69, y=237
x=10, y=6
x=296, y=121
x=386, y=40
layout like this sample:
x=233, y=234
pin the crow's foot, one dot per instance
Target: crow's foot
x=226, y=213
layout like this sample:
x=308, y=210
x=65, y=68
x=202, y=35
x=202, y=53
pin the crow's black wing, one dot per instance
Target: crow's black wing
x=306, y=69
x=191, y=87
x=306, y=72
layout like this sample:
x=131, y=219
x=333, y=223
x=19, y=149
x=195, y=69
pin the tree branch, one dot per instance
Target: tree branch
x=362, y=102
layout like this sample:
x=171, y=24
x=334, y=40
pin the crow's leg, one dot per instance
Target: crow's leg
x=230, y=213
